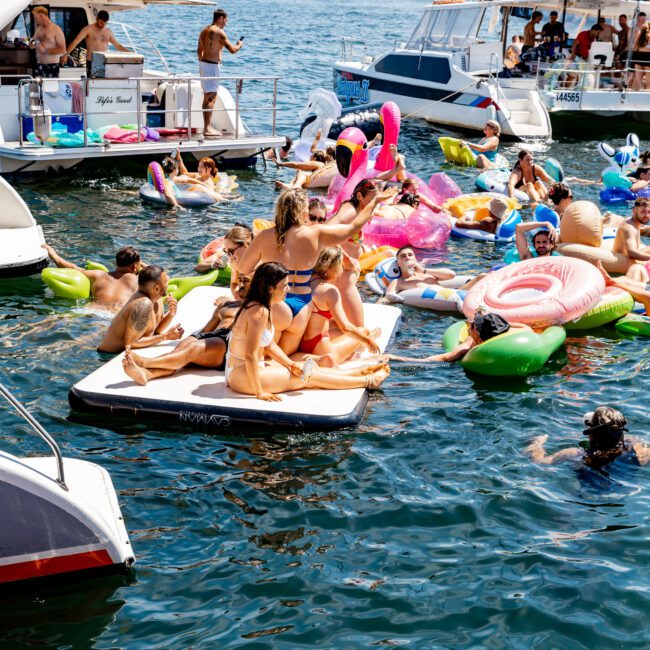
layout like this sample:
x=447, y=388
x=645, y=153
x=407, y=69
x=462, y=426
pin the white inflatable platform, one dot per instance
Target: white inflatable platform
x=199, y=397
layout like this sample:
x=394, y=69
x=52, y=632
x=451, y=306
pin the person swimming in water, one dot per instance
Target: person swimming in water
x=605, y=428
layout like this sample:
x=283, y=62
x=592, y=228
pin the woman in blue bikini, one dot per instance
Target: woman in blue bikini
x=488, y=147
x=252, y=338
x=297, y=246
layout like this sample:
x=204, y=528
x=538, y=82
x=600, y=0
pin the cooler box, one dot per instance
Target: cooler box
x=116, y=65
x=74, y=123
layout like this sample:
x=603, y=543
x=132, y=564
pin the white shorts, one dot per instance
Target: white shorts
x=212, y=70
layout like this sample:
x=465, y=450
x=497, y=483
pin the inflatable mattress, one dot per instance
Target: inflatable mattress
x=198, y=397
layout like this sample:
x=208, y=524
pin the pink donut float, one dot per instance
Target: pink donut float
x=539, y=292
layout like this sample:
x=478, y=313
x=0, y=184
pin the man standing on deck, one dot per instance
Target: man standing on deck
x=212, y=40
x=49, y=43
x=98, y=37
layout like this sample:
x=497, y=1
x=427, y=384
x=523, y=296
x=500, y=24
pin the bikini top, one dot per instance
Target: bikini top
x=324, y=314
x=308, y=272
x=521, y=181
x=267, y=337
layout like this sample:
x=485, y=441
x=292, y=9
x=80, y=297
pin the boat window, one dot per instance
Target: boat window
x=453, y=26
x=425, y=68
x=71, y=21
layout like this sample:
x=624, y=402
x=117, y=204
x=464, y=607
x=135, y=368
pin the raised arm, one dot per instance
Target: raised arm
x=229, y=46
x=306, y=166
x=59, y=261
x=512, y=181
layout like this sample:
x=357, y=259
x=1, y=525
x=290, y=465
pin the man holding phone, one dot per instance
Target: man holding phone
x=212, y=41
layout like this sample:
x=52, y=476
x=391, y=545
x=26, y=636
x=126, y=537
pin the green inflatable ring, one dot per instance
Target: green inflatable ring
x=634, y=324
x=610, y=307
x=513, y=354
x=67, y=283
x=74, y=285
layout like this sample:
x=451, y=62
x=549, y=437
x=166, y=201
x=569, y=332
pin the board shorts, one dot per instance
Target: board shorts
x=47, y=70
x=212, y=70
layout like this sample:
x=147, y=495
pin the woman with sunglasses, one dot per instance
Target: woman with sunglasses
x=488, y=147
x=297, y=246
x=529, y=178
x=327, y=307
x=253, y=338
x=317, y=211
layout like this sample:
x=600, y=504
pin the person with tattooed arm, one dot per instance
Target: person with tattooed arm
x=142, y=321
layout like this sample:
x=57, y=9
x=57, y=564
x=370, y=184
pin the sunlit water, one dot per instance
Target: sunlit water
x=426, y=526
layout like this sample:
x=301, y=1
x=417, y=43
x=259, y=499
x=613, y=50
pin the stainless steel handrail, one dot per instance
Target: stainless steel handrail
x=40, y=431
x=171, y=79
x=127, y=28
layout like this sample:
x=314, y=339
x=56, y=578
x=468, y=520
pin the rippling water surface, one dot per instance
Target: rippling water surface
x=425, y=527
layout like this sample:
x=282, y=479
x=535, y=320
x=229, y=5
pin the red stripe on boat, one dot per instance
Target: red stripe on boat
x=52, y=565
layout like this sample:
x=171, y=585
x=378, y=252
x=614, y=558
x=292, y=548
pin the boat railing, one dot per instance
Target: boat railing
x=354, y=50
x=139, y=42
x=579, y=76
x=493, y=78
x=142, y=111
x=40, y=431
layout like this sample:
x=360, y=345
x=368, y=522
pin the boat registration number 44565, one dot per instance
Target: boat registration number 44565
x=569, y=98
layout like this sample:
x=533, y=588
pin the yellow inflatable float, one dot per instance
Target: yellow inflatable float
x=476, y=205
x=581, y=236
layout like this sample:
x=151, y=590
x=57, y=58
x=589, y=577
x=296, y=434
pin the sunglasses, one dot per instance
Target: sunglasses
x=230, y=251
x=315, y=218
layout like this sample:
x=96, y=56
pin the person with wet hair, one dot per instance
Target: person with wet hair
x=605, y=429
x=561, y=196
x=482, y=328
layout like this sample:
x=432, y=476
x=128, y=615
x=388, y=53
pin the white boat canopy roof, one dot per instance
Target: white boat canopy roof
x=448, y=22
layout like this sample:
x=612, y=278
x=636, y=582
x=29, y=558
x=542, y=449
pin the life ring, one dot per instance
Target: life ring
x=613, y=304
x=515, y=353
x=154, y=190
x=538, y=292
x=638, y=324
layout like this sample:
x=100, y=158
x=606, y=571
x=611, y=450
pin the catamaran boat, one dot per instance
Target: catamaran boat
x=450, y=71
x=124, y=109
x=60, y=516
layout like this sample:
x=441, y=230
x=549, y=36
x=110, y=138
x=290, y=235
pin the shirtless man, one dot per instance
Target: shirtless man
x=544, y=240
x=642, y=175
x=141, y=322
x=628, y=240
x=414, y=275
x=212, y=40
x=98, y=37
x=49, y=43
x=113, y=289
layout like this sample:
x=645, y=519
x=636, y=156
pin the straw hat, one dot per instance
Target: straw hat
x=498, y=208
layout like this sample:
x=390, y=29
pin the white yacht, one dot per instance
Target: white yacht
x=57, y=123
x=448, y=70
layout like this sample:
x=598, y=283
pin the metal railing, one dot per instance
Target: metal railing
x=135, y=84
x=348, y=53
x=137, y=46
x=40, y=431
x=577, y=76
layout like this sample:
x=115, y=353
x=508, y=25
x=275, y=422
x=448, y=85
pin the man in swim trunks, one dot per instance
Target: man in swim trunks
x=605, y=428
x=49, y=43
x=142, y=322
x=212, y=40
x=111, y=290
x=544, y=241
x=98, y=37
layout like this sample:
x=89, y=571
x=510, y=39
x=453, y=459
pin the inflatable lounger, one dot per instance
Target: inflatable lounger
x=198, y=397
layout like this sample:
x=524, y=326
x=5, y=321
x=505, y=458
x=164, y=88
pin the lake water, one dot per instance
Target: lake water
x=425, y=527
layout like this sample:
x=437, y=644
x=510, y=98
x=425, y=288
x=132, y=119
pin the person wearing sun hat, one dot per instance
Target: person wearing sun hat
x=605, y=429
x=498, y=209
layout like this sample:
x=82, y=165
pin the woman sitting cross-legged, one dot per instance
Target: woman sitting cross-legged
x=327, y=306
x=252, y=338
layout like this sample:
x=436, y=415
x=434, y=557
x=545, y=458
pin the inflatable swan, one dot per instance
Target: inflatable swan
x=327, y=108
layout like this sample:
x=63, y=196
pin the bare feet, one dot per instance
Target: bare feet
x=279, y=186
x=139, y=375
x=601, y=268
x=376, y=379
x=375, y=367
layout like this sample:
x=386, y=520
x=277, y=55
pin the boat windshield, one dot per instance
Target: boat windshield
x=448, y=26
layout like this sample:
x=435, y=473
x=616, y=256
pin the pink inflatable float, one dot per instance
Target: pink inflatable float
x=423, y=229
x=352, y=162
x=539, y=292
x=390, y=118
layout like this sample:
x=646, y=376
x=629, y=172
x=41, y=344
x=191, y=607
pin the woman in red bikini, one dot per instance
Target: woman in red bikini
x=327, y=305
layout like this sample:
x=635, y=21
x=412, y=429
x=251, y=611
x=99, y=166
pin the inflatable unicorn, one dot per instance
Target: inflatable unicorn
x=327, y=108
x=623, y=159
